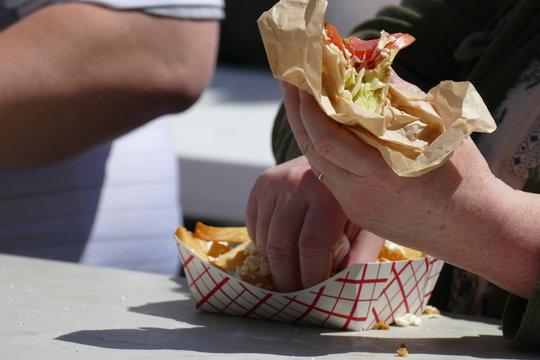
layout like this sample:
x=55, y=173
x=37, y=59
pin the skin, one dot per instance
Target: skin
x=296, y=223
x=77, y=75
x=459, y=212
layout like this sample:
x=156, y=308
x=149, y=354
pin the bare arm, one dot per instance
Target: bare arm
x=76, y=75
x=459, y=212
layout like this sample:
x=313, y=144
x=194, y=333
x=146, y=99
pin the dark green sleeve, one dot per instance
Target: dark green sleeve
x=439, y=27
x=521, y=321
x=283, y=142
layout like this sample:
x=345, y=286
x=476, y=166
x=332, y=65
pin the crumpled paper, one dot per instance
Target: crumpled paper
x=415, y=133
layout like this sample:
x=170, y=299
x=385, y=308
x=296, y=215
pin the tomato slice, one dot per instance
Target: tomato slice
x=402, y=41
x=363, y=51
x=333, y=34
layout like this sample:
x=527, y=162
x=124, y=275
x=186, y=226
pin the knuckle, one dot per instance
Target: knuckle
x=325, y=147
x=277, y=251
x=264, y=177
x=260, y=248
x=313, y=246
x=304, y=143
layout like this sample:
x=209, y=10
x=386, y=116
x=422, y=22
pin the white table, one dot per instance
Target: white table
x=54, y=310
x=224, y=142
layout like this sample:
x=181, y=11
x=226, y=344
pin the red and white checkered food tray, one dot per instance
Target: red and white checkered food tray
x=354, y=299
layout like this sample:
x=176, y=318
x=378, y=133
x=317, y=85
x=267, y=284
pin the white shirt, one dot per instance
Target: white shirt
x=24, y=7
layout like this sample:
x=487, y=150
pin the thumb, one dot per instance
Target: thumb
x=365, y=247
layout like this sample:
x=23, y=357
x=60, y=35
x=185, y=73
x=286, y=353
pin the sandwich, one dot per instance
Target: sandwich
x=359, y=70
x=353, y=82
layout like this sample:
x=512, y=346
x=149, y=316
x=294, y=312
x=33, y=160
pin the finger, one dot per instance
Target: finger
x=322, y=230
x=265, y=212
x=329, y=174
x=291, y=100
x=365, y=248
x=317, y=173
x=328, y=139
x=259, y=211
x=282, y=246
x=251, y=214
x=292, y=105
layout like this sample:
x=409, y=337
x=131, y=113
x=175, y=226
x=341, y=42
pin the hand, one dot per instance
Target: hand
x=458, y=212
x=370, y=193
x=296, y=223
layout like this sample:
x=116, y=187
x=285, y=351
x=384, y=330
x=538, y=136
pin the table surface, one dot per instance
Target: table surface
x=55, y=310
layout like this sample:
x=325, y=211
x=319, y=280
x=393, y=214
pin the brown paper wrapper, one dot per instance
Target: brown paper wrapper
x=414, y=134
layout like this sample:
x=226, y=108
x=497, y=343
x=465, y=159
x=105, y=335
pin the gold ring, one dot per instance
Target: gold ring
x=320, y=178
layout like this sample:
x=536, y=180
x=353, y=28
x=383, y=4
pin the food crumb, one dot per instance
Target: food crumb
x=431, y=310
x=402, y=351
x=381, y=325
x=408, y=319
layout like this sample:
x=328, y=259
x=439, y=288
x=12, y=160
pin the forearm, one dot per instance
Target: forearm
x=498, y=239
x=523, y=234
x=77, y=75
x=484, y=226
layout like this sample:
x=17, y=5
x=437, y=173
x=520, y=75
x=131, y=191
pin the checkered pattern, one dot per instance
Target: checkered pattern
x=354, y=299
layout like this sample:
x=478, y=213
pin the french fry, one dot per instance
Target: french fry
x=241, y=259
x=210, y=264
x=217, y=249
x=231, y=250
x=394, y=252
x=232, y=258
x=225, y=234
x=197, y=245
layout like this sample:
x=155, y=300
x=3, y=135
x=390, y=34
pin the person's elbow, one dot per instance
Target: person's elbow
x=184, y=80
x=186, y=85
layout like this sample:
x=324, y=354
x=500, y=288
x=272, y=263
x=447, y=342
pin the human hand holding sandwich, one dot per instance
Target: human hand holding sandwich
x=458, y=212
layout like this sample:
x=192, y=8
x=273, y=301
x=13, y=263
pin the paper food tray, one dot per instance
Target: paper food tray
x=356, y=298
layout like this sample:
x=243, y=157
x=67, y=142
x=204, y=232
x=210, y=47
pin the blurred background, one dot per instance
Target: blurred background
x=240, y=40
x=224, y=142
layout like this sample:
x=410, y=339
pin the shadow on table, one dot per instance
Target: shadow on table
x=222, y=334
